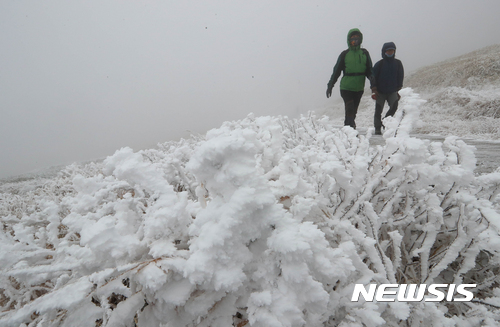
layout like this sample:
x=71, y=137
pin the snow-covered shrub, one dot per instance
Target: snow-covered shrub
x=266, y=221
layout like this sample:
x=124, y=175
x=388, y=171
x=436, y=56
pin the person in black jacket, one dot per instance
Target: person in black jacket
x=388, y=75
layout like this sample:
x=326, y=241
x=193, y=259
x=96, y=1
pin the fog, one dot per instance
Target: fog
x=81, y=79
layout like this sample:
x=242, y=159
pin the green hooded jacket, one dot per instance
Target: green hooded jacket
x=355, y=63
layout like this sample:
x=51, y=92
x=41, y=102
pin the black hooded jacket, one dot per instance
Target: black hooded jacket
x=388, y=73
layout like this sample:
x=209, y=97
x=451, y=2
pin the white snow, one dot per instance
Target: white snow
x=267, y=221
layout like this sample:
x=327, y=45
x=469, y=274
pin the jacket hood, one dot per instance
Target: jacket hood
x=354, y=31
x=388, y=45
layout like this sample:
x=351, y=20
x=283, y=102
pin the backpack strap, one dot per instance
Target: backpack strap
x=354, y=74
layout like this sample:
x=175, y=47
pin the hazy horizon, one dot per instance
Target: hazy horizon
x=82, y=79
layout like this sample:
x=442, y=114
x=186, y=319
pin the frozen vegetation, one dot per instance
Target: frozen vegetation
x=267, y=221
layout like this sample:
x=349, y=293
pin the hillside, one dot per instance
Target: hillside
x=270, y=221
x=463, y=95
x=473, y=70
x=267, y=221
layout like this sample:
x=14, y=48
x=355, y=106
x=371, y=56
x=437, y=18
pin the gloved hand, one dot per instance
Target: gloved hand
x=328, y=92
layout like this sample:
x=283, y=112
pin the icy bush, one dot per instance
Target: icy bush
x=266, y=221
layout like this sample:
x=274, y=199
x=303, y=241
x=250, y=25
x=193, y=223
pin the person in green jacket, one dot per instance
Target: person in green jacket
x=356, y=64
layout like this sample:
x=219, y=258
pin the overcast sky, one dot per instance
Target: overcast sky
x=81, y=79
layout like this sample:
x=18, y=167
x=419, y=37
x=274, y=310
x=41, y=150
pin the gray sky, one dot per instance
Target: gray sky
x=81, y=79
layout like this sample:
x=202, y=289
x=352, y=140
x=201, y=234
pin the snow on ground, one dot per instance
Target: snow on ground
x=267, y=221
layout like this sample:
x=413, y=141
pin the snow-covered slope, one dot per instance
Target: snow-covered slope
x=462, y=93
x=473, y=70
x=266, y=221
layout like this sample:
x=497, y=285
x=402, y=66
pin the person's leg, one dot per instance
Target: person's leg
x=357, y=100
x=377, y=118
x=351, y=102
x=348, y=98
x=393, y=101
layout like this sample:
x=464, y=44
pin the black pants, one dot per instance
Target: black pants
x=351, y=102
x=392, y=100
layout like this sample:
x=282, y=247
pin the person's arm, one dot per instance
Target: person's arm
x=401, y=75
x=369, y=70
x=373, y=84
x=339, y=67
